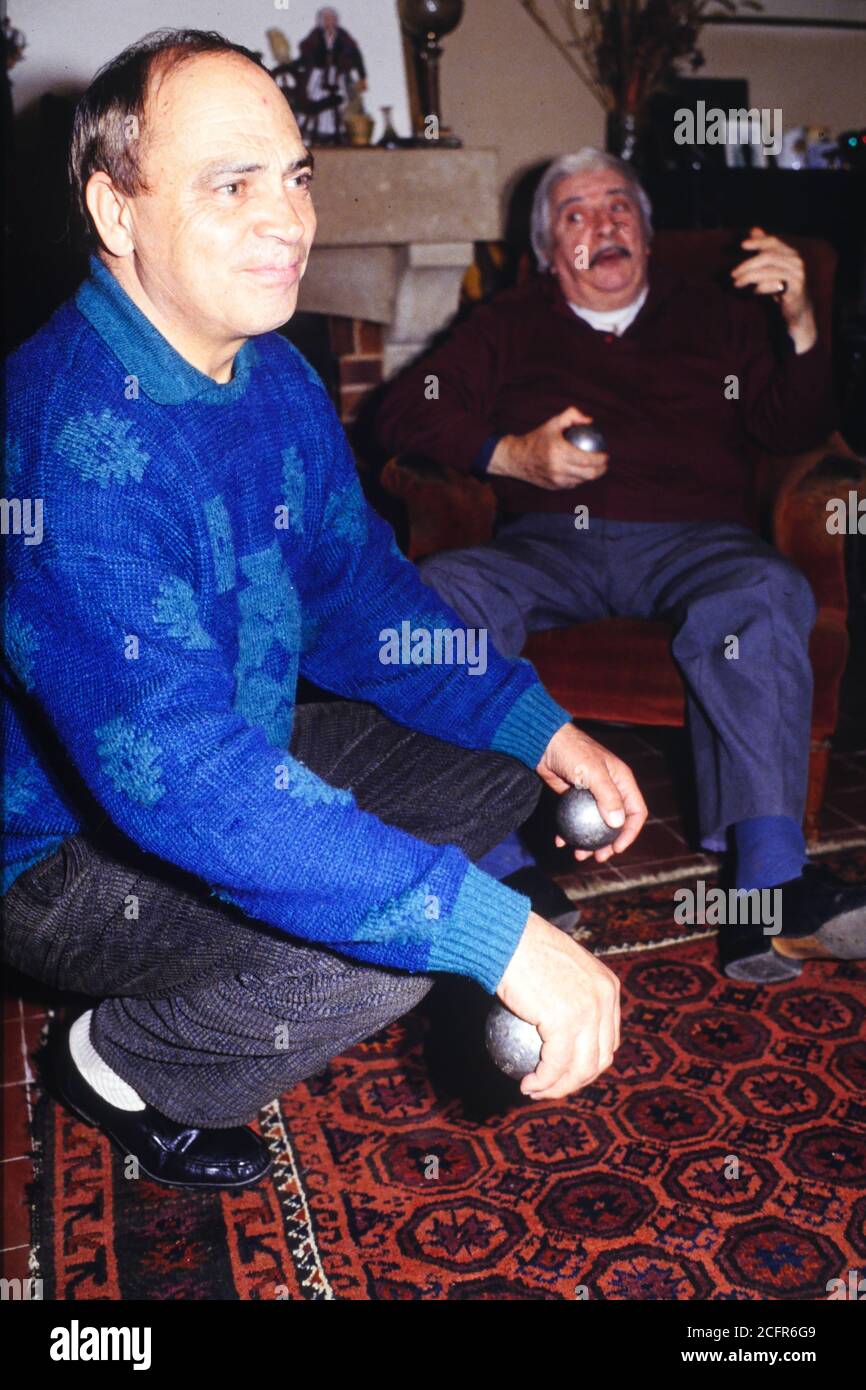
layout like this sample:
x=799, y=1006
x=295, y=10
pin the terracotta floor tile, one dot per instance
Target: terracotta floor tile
x=16, y=1174
x=848, y=738
x=15, y=1264
x=16, y=1135
x=846, y=773
x=661, y=738
x=656, y=843
x=677, y=825
x=13, y=1058
x=834, y=822
x=663, y=802
x=13, y=1063
x=853, y=805
x=14, y=1006
x=650, y=769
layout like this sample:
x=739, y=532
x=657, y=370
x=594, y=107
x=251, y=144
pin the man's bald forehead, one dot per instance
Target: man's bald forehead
x=168, y=65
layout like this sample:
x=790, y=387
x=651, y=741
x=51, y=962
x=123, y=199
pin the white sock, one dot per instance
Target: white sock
x=98, y=1074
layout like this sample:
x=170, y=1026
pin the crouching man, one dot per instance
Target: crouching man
x=246, y=888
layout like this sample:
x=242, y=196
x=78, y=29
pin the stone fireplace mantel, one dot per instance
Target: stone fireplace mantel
x=396, y=233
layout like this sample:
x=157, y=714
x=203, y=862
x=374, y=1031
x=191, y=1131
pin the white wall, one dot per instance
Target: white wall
x=67, y=40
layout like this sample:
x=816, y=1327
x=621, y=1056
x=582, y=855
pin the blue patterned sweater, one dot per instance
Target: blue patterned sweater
x=201, y=546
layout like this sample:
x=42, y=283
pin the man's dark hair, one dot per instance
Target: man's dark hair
x=109, y=122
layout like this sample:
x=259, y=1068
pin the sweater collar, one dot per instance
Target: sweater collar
x=162, y=373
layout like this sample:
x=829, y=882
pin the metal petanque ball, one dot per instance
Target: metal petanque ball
x=513, y=1044
x=580, y=823
x=588, y=440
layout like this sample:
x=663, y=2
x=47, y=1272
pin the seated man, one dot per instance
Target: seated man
x=245, y=888
x=678, y=377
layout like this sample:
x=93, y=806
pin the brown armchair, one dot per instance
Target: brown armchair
x=627, y=673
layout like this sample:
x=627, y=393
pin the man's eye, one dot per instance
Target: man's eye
x=303, y=180
x=226, y=187
x=574, y=216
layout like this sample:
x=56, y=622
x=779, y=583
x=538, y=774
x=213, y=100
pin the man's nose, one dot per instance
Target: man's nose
x=603, y=223
x=281, y=217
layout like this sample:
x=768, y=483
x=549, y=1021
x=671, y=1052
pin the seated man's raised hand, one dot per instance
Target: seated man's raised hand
x=774, y=268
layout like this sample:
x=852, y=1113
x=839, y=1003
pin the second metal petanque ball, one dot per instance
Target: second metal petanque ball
x=513, y=1044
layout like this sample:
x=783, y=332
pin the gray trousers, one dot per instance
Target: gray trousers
x=207, y=1013
x=748, y=714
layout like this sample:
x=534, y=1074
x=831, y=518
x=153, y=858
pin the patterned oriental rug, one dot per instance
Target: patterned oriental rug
x=722, y=1157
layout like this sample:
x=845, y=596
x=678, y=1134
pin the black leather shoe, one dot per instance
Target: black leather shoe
x=822, y=918
x=169, y=1153
x=746, y=953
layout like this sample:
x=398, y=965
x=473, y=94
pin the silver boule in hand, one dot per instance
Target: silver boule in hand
x=587, y=439
x=514, y=1044
x=580, y=823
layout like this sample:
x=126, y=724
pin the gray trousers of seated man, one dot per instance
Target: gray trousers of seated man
x=749, y=715
x=208, y=1013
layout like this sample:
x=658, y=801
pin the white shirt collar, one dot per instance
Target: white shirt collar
x=611, y=320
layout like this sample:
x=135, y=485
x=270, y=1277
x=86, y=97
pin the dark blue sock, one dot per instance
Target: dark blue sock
x=770, y=850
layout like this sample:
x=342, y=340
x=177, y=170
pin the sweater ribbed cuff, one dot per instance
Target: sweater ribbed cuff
x=488, y=922
x=529, y=726
x=481, y=461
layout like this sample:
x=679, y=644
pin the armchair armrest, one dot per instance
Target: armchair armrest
x=779, y=474
x=447, y=510
x=799, y=517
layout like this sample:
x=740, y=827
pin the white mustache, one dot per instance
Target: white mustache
x=614, y=246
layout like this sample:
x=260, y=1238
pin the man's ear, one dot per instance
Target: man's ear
x=111, y=214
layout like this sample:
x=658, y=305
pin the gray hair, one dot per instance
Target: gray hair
x=327, y=9
x=586, y=161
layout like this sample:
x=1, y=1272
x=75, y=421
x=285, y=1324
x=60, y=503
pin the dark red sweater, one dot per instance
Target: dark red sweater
x=679, y=450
